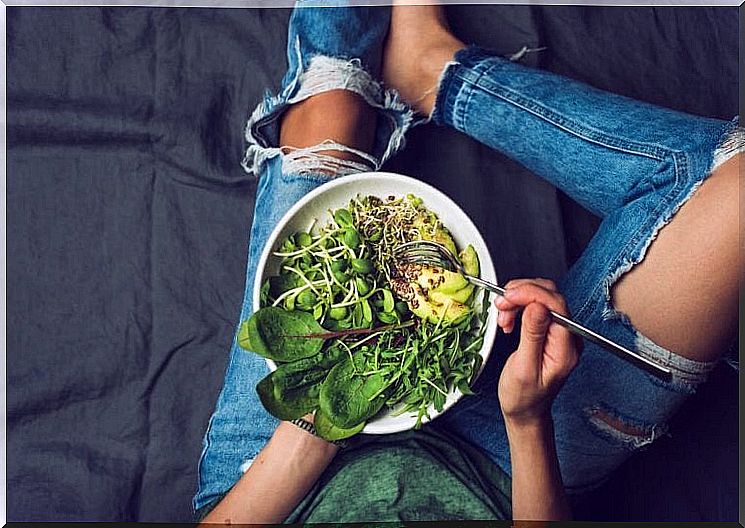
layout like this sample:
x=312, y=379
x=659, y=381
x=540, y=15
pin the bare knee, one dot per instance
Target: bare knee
x=339, y=116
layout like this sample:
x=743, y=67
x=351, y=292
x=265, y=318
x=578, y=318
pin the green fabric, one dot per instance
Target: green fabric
x=411, y=476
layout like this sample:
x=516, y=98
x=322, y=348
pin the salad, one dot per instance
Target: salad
x=353, y=332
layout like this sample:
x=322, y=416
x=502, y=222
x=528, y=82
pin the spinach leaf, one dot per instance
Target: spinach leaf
x=328, y=431
x=293, y=376
x=243, y=338
x=307, y=371
x=347, y=397
x=292, y=404
x=281, y=335
x=283, y=283
x=292, y=390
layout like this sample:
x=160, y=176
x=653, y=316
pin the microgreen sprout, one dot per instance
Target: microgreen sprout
x=341, y=276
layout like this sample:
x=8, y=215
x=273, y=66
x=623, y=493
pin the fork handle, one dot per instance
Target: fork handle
x=576, y=328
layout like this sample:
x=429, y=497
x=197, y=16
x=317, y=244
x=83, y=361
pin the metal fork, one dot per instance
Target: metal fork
x=435, y=254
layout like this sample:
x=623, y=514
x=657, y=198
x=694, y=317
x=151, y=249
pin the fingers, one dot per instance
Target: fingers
x=536, y=319
x=546, y=284
x=541, y=341
x=521, y=292
x=535, y=323
x=506, y=318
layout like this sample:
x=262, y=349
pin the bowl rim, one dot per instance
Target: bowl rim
x=485, y=261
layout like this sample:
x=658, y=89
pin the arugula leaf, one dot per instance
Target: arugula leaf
x=264, y=293
x=281, y=335
x=464, y=388
x=340, y=276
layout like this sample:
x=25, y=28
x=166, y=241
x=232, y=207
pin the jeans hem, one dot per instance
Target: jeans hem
x=449, y=85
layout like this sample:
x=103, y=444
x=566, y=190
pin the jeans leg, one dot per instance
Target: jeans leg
x=330, y=47
x=602, y=149
x=631, y=163
x=240, y=426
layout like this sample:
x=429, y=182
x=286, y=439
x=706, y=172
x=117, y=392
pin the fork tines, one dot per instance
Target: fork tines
x=421, y=246
x=423, y=252
x=420, y=259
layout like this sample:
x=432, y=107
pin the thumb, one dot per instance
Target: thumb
x=535, y=323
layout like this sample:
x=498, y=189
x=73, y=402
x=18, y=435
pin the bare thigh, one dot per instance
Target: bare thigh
x=684, y=294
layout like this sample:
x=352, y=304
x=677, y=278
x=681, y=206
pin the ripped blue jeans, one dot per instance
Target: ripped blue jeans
x=634, y=165
x=631, y=163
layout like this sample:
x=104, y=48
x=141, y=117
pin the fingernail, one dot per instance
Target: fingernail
x=499, y=300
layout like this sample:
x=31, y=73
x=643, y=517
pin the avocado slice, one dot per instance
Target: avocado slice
x=442, y=294
x=443, y=281
x=440, y=235
x=470, y=261
x=460, y=296
x=451, y=312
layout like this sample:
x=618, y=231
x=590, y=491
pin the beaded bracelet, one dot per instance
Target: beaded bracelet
x=305, y=425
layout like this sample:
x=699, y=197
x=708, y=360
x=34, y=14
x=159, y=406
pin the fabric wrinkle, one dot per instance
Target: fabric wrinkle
x=632, y=164
x=320, y=59
x=444, y=74
x=687, y=374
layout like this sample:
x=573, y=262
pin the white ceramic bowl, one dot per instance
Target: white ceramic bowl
x=337, y=193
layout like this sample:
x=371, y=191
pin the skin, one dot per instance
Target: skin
x=338, y=115
x=698, y=248
x=684, y=294
x=293, y=460
x=530, y=380
x=419, y=46
x=278, y=479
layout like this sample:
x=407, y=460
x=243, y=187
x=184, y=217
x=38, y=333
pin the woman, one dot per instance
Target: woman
x=665, y=184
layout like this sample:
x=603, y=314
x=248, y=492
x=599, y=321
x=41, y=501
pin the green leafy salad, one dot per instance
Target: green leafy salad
x=353, y=332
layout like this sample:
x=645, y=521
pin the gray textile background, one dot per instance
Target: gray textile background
x=128, y=221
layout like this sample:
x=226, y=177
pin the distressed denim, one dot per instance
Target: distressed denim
x=329, y=48
x=631, y=163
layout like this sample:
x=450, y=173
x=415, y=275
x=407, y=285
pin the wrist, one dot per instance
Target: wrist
x=306, y=440
x=528, y=423
x=530, y=439
x=307, y=424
